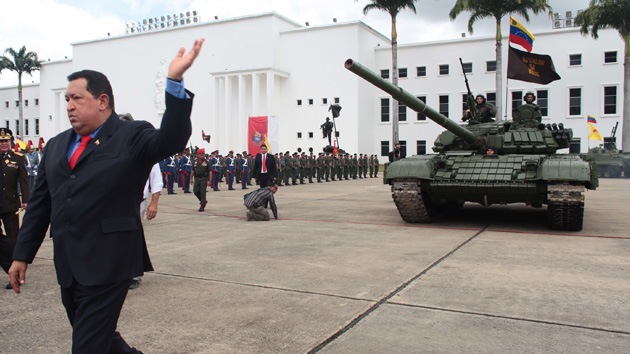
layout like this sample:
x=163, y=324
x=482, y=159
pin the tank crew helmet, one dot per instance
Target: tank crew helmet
x=529, y=93
x=482, y=97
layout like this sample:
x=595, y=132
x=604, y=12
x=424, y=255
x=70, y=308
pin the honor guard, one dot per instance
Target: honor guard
x=185, y=164
x=201, y=173
x=245, y=170
x=216, y=170
x=171, y=169
x=230, y=169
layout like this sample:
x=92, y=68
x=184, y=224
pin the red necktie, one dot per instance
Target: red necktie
x=264, y=163
x=85, y=140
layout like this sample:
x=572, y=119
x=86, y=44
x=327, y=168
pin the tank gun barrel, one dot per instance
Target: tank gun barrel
x=410, y=101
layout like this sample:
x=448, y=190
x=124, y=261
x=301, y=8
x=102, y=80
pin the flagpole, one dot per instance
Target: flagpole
x=507, y=84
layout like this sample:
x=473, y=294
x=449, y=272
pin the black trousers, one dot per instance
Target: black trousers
x=265, y=179
x=93, y=312
x=6, y=253
x=11, y=222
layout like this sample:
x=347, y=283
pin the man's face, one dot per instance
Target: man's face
x=479, y=100
x=529, y=98
x=274, y=189
x=85, y=112
x=5, y=145
x=263, y=149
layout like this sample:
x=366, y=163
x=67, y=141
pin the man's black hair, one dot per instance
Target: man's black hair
x=97, y=84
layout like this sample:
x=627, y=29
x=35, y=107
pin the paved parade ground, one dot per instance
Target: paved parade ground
x=340, y=272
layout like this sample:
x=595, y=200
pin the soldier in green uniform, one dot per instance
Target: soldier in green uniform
x=312, y=167
x=376, y=165
x=355, y=164
x=303, y=167
x=280, y=168
x=201, y=173
x=346, y=166
x=287, y=168
x=365, y=165
x=371, y=166
x=295, y=167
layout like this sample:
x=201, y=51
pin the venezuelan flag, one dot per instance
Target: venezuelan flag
x=520, y=35
x=593, y=134
x=591, y=120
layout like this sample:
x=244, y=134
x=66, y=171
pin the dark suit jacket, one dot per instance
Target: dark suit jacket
x=93, y=210
x=270, y=161
x=13, y=172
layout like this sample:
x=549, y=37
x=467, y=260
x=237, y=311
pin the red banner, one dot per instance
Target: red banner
x=257, y=134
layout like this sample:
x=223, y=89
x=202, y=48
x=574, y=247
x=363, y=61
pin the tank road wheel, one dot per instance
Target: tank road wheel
x=565, y=207
x=412, y=205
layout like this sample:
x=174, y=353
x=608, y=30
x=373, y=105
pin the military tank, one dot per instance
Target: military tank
x=525, y=168
x=611, y=163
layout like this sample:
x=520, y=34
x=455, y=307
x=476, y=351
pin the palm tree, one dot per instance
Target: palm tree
x=612, y=14
x=498, y=9
x=21, y=62
x=393, y=7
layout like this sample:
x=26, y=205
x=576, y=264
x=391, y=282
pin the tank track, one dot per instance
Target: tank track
x=565, y=207
x=412, y=206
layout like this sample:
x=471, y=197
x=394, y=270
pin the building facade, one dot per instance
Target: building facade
x=268, y=65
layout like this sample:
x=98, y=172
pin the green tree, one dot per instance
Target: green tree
x=498, y=9
x=613, y=14
x=393, y=7
x=21, y=62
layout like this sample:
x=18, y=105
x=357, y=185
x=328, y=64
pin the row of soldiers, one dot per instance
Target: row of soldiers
x=299, y=168
x=292, y=169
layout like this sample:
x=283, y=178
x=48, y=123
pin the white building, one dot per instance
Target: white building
x=269, y=65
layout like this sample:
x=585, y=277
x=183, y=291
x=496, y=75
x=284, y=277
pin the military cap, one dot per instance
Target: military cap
x=6, y=134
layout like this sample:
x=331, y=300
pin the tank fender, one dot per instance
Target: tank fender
x=419, y=166
x=566, y=168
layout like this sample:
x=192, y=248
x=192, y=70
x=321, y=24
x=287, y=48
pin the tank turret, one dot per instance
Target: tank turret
x=488, y=163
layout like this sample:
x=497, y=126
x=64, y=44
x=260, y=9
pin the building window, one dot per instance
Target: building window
x=310, y=135
x=542, y=99
x=517, y=100
x=444, y=105
x=402, y=72
x=575, y=59
x=37, y=101
x=610, y=99
x=610, y=57
x=491, y=65
x=402, y=112
x=384, y=147
x=36, y=124
x=337, y=133
x=575, y=101
x=299, y=135
x=444, y=69
x=299, y=102
x=310, y=101
x=385, y=73
x=17, y=103
x=6, y=104
x=421, y=147
x=421, y=71
x=422, y=116
x=491, y=97
x=403, y=147
x=17, y=128
x=336, y=99
x=384, y=109
x=25, y=126
x=7, y=124
x=467, y=68
x=324, y=101
x=25, y=103
x=465, y=104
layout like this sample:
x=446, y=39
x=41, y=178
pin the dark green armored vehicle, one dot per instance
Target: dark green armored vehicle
x=611, y=163
x=525, y=168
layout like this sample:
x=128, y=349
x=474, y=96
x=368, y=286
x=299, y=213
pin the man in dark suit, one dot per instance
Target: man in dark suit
x=264, y=167
x=89, y=190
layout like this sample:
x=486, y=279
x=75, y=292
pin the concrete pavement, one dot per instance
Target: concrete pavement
x=340, y=272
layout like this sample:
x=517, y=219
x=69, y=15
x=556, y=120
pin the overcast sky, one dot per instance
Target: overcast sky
x=47, y=27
